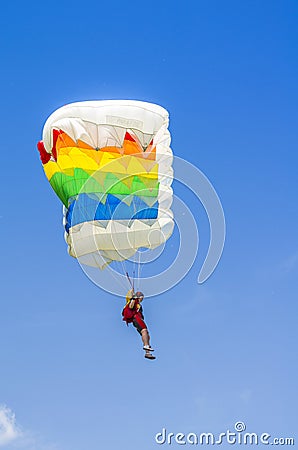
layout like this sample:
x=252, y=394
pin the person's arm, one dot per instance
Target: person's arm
x=129, y=295
x=131, y=304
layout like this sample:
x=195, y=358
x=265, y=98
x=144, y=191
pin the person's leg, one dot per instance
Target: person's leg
x=146, y=344
x=145, y=337
x=140, y=325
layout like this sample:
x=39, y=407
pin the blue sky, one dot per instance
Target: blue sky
x=71, y=372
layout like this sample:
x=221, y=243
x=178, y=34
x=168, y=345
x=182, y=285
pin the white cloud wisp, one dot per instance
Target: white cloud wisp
x=9, y=431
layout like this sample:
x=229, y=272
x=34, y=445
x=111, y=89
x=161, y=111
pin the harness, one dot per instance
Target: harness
x=129, y=313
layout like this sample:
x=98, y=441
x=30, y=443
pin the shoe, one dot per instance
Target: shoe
x=147, y=348
x=149, y=356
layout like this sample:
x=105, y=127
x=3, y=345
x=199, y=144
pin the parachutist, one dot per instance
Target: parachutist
x=133, y=313
x=110, y=163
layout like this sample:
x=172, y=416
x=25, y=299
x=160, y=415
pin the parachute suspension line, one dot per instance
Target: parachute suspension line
x=134, y=268
x=130, y=282
x=120, y=282
x=139, y=269
x=136, y=204
x=122, y=264
x=101, y=197
x=118, y=266
x=134, y=245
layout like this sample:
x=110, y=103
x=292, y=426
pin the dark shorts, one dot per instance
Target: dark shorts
x=138, y=322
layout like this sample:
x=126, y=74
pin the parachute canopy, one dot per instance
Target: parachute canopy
x=109, y=162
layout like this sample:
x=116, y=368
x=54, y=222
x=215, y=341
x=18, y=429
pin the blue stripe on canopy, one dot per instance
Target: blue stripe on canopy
x=86, y=208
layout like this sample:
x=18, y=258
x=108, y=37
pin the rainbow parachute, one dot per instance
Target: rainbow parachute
x=110, y=164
